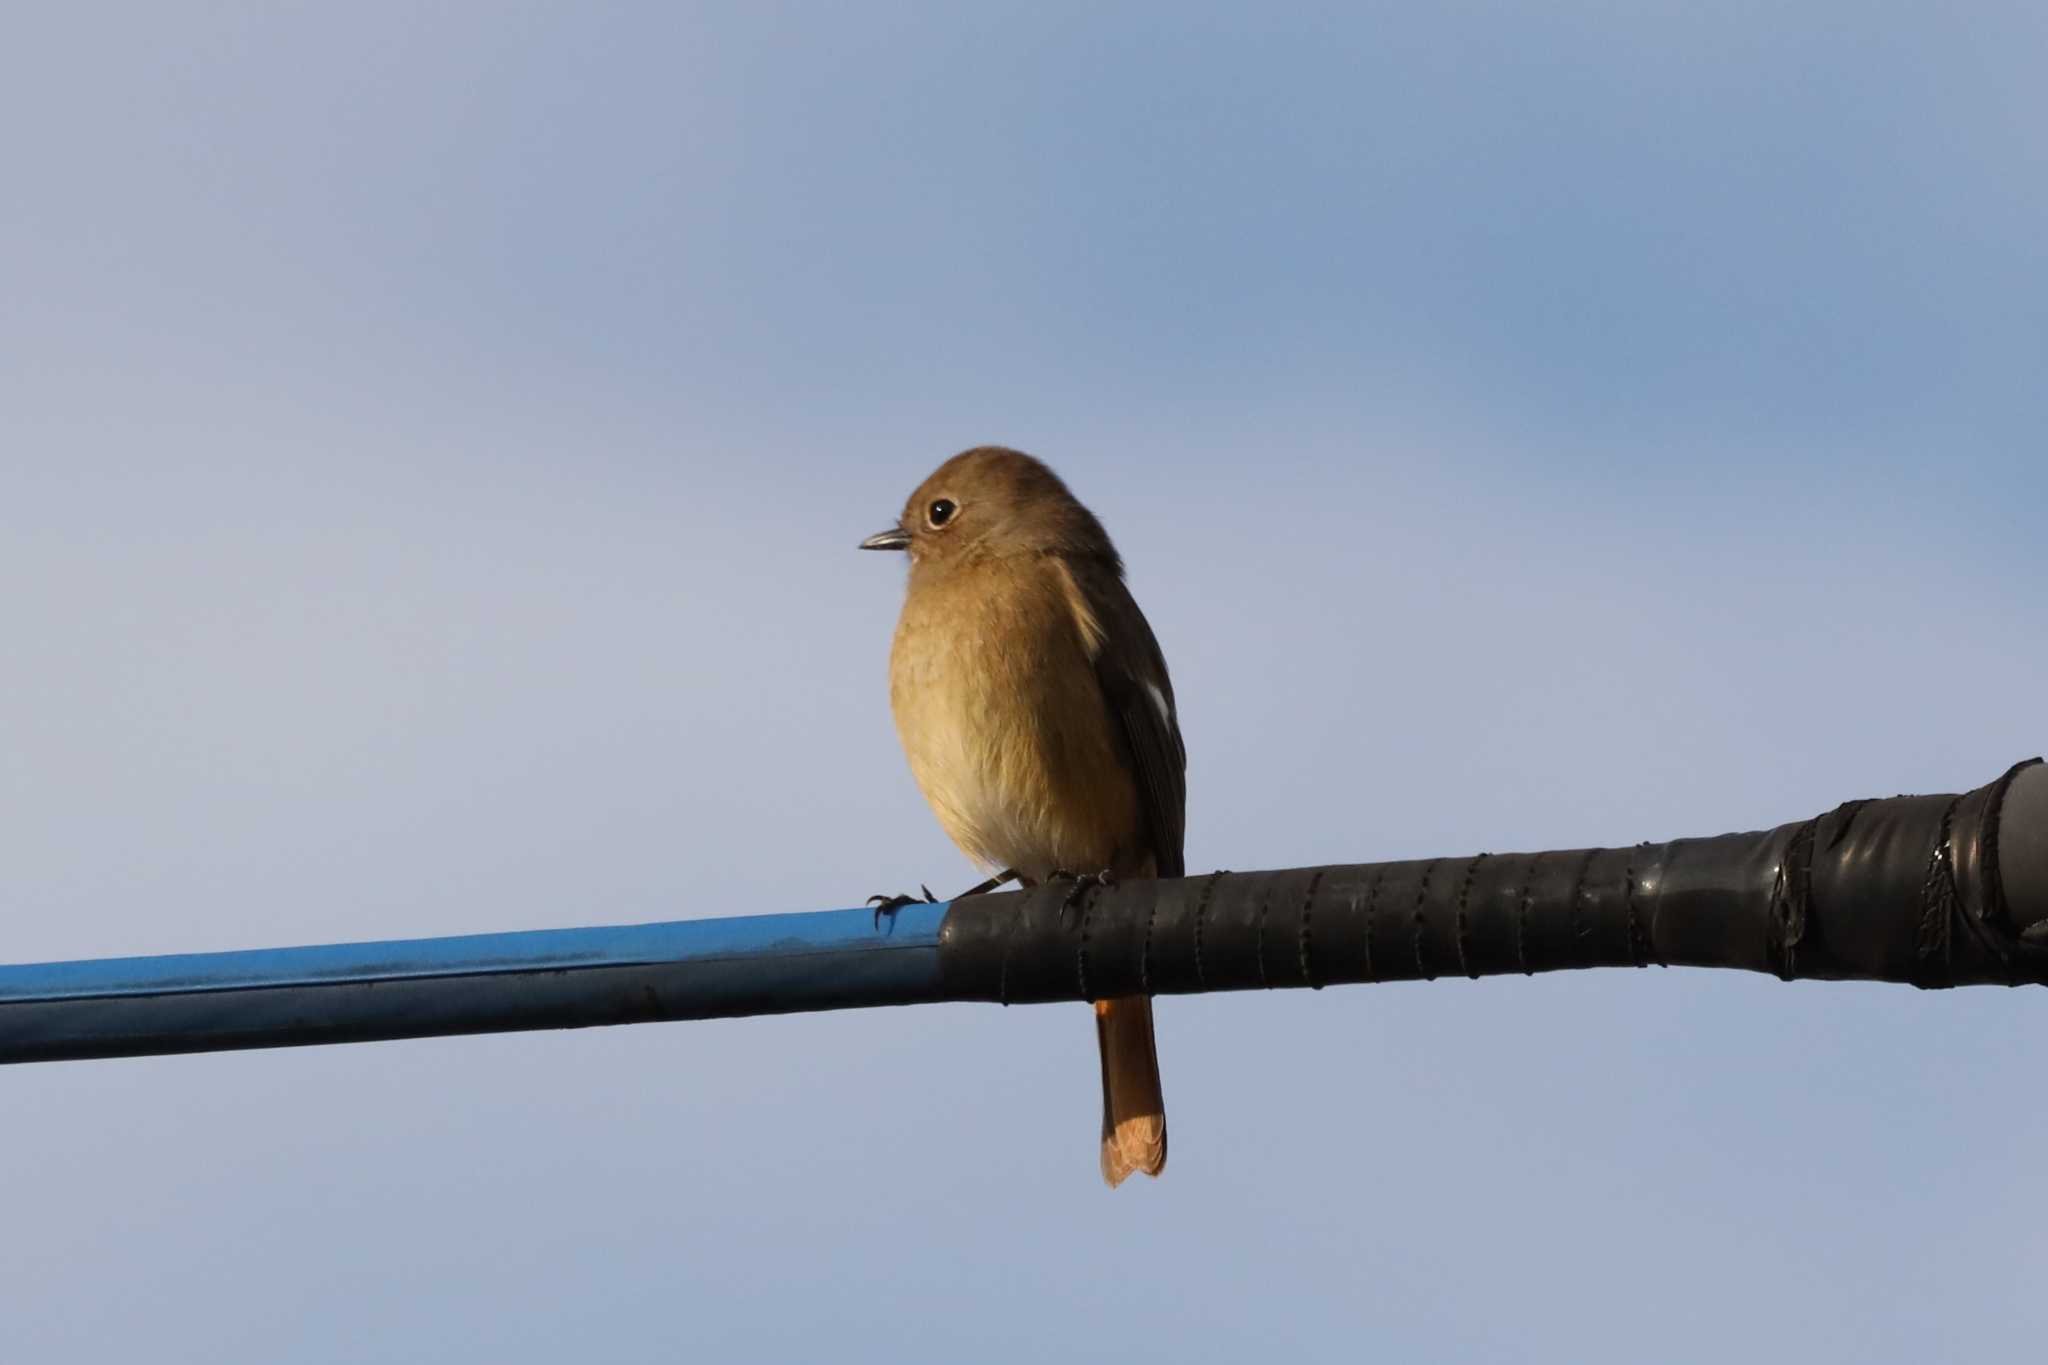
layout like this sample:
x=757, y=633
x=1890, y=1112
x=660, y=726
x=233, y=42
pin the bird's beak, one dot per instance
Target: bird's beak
x=895, y=538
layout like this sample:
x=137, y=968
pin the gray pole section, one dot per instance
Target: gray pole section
x=1923, y=890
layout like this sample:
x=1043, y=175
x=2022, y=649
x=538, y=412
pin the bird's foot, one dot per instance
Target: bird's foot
x=889, y=905
x=1080, y=884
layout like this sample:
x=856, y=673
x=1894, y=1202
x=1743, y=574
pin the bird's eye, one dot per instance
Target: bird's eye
x=940, y=512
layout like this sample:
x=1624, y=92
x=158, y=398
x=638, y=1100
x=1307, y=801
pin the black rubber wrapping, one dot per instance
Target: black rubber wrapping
x=1930, y=891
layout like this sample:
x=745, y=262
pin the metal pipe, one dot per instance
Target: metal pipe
x=478, y=983
x=1923, y=890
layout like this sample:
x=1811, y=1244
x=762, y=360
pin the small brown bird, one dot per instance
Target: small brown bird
x=1035, y=708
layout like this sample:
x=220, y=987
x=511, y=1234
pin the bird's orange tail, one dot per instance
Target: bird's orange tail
x=1133, y=1109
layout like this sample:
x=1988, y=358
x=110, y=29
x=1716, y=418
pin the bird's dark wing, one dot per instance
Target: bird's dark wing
x=1132, y=672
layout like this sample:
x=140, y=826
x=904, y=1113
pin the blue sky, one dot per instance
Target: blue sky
x=431, y=451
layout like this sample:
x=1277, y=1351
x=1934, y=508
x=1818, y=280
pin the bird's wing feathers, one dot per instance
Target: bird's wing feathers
x=1135, y=686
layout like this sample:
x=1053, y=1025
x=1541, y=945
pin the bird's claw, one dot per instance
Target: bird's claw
x=889, y=905
x=1081, y=883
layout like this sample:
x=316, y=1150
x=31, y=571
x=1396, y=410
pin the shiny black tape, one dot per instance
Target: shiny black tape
x=1924, y=890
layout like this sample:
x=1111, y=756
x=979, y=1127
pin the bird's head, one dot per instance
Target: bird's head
x=992, y=503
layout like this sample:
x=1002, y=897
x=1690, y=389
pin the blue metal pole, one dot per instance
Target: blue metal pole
x=481, y=983
x=1948, y=890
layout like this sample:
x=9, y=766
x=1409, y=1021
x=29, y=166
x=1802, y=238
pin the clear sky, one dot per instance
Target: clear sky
x=432, y=445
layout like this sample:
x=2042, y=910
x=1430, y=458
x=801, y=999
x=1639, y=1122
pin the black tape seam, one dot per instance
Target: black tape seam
x=1938, y=900
x=1201, y=911
x=1464, y=896
x=1995, y=908
x=1308, y=901
x=1791, y=897
x=1422, y=895
x=1522, y=914
x=1372, y=905
x=1578, y=891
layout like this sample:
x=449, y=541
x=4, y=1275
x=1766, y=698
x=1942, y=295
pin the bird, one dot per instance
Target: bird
x=1035, y=708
